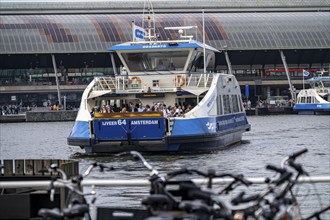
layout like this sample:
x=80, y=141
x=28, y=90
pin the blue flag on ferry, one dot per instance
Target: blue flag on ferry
x=305, y=73
x=138, y=33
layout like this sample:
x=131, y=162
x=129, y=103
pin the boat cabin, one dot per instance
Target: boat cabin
x=164, y=56
x=166, y=72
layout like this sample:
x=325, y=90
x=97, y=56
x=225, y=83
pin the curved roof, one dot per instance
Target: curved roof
x=95, y=33
x=129, y=5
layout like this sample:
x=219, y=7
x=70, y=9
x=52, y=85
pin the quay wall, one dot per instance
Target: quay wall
x=70, y=115
x=270, y=111
x=24, y=202
x=48, y=116
x=12, y=118
x=40, y=116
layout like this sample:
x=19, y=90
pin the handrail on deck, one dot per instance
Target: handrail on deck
x=122, y=115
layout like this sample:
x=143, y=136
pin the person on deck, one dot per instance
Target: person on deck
x=161, y=66
x=141, y=108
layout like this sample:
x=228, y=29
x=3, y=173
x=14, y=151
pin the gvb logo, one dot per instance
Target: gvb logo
x=139, y=34
x=211, y=126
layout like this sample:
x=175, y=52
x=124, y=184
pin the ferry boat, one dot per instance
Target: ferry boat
x=315, y=100
x=160, y=74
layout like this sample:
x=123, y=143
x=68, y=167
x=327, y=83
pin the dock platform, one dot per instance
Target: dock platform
x=25, y=202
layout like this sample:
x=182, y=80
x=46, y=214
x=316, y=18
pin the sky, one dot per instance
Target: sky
x=67, y=0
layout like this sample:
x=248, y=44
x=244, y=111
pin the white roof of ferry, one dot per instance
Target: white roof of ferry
x=156, y=45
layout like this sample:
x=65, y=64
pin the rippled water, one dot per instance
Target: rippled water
x=271, y=138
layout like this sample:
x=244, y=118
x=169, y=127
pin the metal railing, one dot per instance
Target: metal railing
x=145, y=182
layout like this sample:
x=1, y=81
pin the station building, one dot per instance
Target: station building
x=260, y=37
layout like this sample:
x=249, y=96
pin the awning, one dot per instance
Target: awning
x=98, y=93
x=195, y=90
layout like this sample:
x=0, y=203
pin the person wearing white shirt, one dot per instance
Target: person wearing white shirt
x=141, y=108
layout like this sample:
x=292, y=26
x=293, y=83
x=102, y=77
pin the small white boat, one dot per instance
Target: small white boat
x=315, y=100
x=160, y=74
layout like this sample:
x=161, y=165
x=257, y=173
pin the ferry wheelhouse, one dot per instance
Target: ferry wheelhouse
x=315, y=100
x=161, y=74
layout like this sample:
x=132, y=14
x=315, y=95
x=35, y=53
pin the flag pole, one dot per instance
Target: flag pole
x=204, y=60
x=303, y=79
x=133, y=34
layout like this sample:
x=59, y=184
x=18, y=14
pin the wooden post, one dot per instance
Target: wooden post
x=8, y=169
x=29, y=168
x=38, y=165
x=19, y=167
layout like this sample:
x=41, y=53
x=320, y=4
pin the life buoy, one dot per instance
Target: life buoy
x=179, y=80
x=135, y=80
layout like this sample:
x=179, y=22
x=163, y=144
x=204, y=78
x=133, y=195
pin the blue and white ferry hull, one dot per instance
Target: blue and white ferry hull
x=197, y=131
x=312, y=108
x=158, y=74
x=315, y=100
x=188, y=135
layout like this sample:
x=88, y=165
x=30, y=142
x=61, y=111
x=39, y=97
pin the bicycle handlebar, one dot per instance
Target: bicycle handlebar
x=284, y=177
x=145, y=163
x=54, y=168
x=68, y=182
x=297, y=167
x=240, y=198
x=209, y=174
x=293, y=156
x=276, y=169
x=92, y=166
x=297, y=154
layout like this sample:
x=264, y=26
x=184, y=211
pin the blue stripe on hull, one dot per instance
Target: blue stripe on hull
x=311, y=109
x=228, y=133
x=202, y=134
x=80, y=134
x=214, y=142
x=209, y=125
x=181, y=144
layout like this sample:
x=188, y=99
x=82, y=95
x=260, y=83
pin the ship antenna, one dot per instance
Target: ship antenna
x=148, y=21
x=204, y=60
x=204, y=53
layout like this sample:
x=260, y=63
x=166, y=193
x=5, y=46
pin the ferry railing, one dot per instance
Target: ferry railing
x=197, y=79
x=121, y=82
x=145, y=182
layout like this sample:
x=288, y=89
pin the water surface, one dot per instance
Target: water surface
x=270, y=139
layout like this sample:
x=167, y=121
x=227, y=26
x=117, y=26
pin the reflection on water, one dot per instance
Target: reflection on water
x=271, y=138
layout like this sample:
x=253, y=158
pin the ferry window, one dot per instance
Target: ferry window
x=317, y=101
x=303, y=100
x=197, y=61
x=226, y=104
x=194, y=60
x=240, y=107
x=156, y=61
x=155, y=83
x=326, y=84
x=219, y=105
x=309, y=99
x=235, y=103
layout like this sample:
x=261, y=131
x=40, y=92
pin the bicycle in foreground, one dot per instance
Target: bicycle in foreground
x=190, y=201
x=76, y=206
x=174, y=195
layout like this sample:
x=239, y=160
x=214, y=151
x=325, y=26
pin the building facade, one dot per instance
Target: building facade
x=260, y=38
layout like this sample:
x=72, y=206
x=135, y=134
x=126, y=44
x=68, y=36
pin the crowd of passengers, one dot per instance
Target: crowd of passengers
x=9, y=109
x=168, y=111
